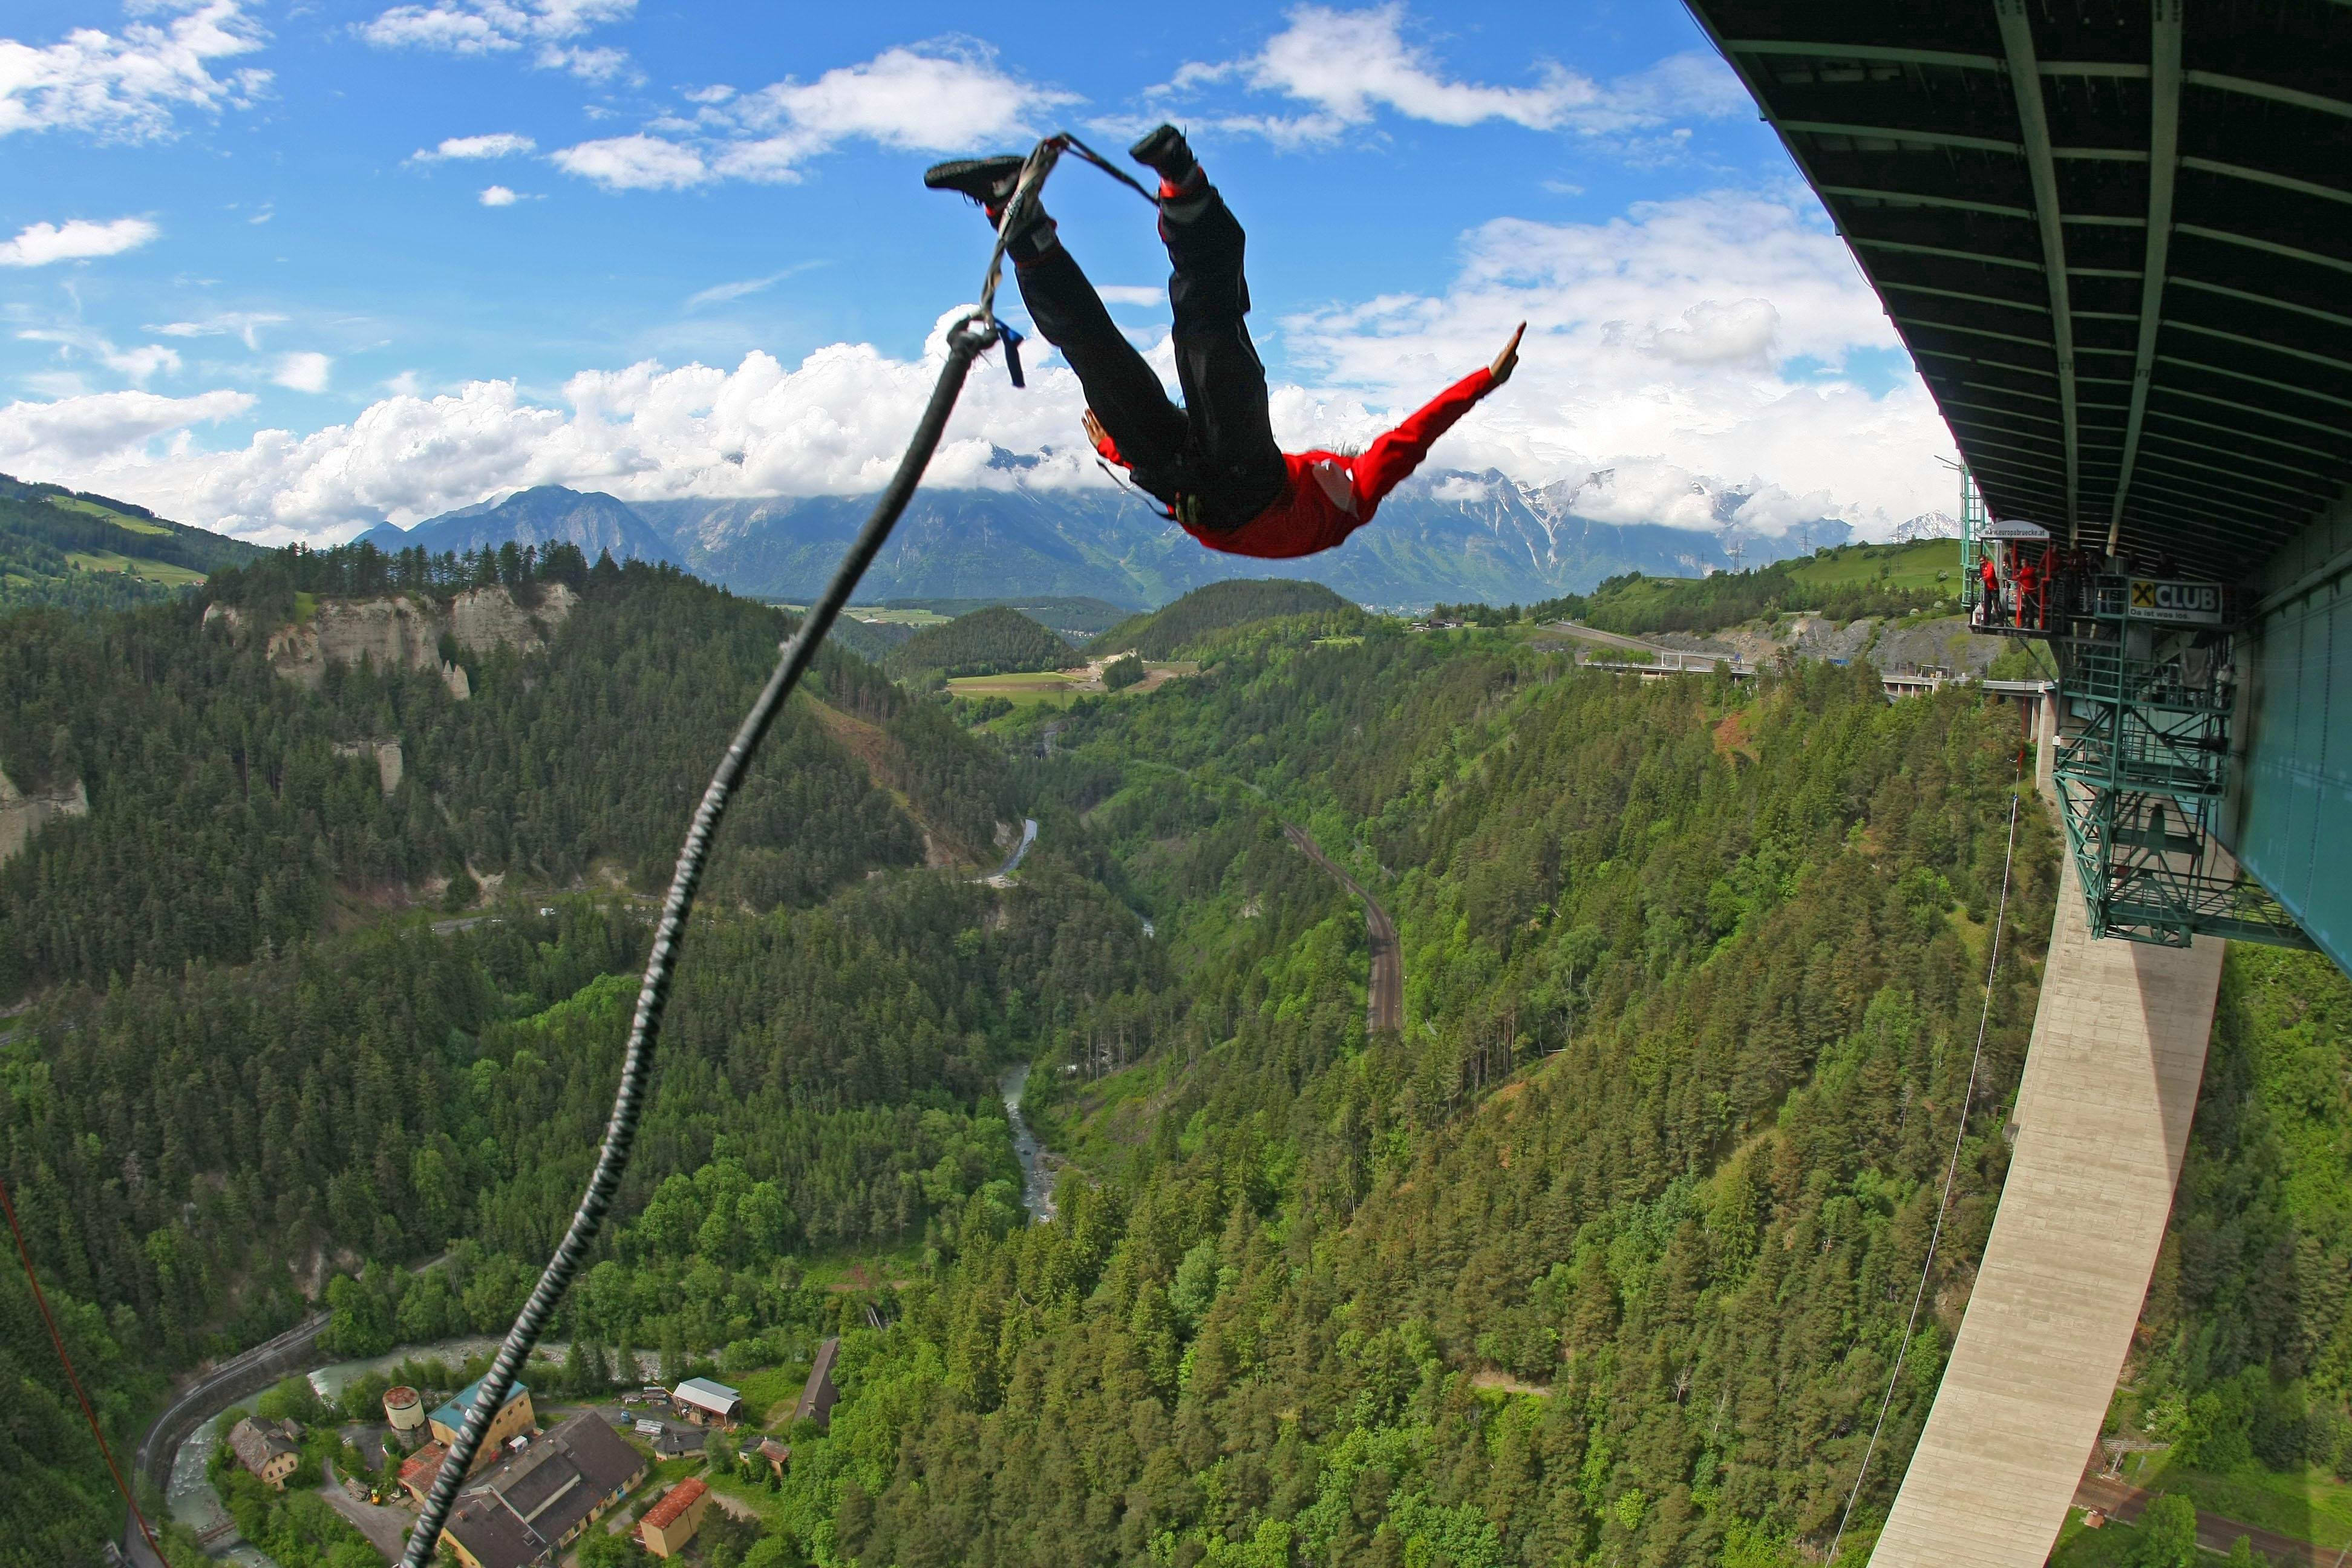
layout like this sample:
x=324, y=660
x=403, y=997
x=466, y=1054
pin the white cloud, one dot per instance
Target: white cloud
x=721, y=293
x=1132, y=294
x=1660, y=346
x=137, y=365
x=77, y=239
x=499, y=145
x=76, y=432
x=496, y=27
x=303, y=372
x=498, y=196
x=940, y=97
x=639, y=162
x=1716, y=334
x=125, y=88
x=243, y=324
x=1659, y=382
x=1350, y=65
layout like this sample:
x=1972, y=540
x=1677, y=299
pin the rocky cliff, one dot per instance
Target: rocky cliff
x=22, y=814
x=404, y=631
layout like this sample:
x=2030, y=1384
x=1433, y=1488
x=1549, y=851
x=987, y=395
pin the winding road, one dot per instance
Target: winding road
x=1384, y=1001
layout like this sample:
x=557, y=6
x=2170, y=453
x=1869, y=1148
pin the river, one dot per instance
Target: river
x=1036, y=1178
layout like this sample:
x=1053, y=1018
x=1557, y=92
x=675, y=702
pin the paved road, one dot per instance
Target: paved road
x=387, y=1528
x=1384, y=1005
x=2125, y=1502
x=1606, y=639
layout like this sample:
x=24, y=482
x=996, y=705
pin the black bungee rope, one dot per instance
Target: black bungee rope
x=966, y=341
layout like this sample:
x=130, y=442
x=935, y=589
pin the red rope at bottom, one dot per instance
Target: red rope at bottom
x=73, y=1377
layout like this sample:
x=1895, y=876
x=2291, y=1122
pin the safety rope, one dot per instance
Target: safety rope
x=966, y=341
x=41, y=1299
x=1951, y=1168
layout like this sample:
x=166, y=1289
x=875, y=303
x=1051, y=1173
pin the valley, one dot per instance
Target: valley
x=1563, y=1221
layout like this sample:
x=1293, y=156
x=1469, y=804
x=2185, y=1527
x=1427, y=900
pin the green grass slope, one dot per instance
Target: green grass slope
x=86, y=551
x=1164, y=632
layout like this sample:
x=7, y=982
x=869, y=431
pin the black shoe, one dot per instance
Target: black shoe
x=1164, y=150
x=988, y=181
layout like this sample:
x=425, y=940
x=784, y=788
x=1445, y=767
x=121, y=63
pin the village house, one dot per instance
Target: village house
x=515, y=1417
x=543, y=1497
x=421, y=1470
x=708, y=1404
x=778, y=1454
x=266, y=1450
x=818, y=1396
x=671, y=1522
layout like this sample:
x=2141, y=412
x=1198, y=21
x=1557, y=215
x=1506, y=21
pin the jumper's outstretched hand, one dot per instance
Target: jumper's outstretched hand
x=1508, y=359
x=1095, y=430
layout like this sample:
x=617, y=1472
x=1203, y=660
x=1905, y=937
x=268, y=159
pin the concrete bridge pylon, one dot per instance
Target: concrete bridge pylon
x=2102, y=1121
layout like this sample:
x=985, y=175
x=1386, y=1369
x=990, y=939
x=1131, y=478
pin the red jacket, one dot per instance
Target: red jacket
x=1331, y=495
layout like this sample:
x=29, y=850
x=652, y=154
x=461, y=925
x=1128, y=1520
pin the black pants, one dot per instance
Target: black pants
x=1217, y=451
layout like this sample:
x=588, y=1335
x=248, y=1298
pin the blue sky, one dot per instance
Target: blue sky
x=289, y=269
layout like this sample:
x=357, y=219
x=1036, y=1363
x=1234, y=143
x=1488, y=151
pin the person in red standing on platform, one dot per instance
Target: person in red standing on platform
x=1213, y=464
x=1988, y=602
x=2029, y=578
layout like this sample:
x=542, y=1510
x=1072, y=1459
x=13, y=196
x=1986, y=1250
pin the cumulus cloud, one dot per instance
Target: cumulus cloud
x=941, y=97
x=126, y=86
x=498, y=196
x=76, y=432
x=1132, y=294
x=303, y=372
x=546, y=27
x=637, y=162
x=1678, y=342
x=1711, y=333
x=1350, y=65
x=499, y=145
x=78, y=240
x=1671, y=374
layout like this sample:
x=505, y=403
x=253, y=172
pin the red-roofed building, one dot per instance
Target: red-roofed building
x=670, y=1523
x=421, y=1470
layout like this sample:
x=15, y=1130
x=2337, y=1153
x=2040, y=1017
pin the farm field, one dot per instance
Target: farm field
x=152, y=571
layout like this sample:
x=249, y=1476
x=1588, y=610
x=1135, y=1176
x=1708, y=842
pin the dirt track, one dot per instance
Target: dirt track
x=1384, y=1005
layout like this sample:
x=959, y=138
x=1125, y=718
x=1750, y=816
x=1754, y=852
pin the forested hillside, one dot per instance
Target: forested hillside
x=1604, y=1259
x=1598, y=1260
x=81, y=552
x=1840, y=584
x=985, y=642
x=1173, y=629
x=223, y=816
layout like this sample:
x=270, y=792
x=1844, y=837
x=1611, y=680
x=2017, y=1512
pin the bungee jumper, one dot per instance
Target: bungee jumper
x=1213, y=464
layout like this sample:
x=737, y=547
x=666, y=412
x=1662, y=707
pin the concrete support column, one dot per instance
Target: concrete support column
x=2103, y=1118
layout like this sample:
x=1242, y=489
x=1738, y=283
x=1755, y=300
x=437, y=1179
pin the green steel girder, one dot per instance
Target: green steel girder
x=2144, y=768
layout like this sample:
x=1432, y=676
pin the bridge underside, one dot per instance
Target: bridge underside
x=2117, y=238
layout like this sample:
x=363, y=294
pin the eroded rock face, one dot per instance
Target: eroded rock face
x=404, y=631
x=389, y=763
x=22, y=814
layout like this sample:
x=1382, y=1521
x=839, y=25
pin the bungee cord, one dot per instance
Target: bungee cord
x=966, y=341
x=1951, y=1170
x=57, y=1338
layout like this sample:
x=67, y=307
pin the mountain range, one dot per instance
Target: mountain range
x=544, y=514
x=1443, y=536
